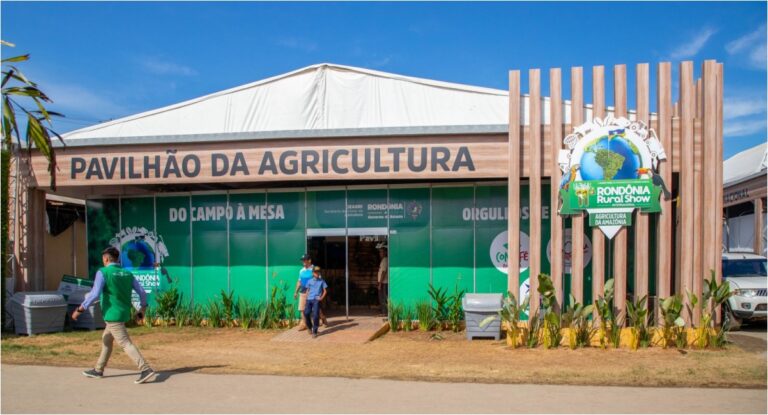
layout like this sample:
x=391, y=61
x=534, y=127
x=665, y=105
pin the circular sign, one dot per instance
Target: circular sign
x=500, y=252
x=567, y=249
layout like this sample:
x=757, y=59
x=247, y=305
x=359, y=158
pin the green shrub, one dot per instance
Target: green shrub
x=426, y=315
x=440, y=305
x=214, y=312
x=639, y=320
x=149, y=316
x=673, y=325
x=408, y=318
x=228, y=307
x=532, y=334
x=395, y=315
x=167, y=301
x=577, y=320
x=196, y=314
x=455, y=310
x=552, y=323
x=609, y=324
x=182, y=312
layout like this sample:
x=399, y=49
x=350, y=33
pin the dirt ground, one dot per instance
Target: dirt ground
x=404, y=356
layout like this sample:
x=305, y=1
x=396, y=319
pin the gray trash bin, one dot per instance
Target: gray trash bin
x=91, y=319
x=38, y=312
x=477, y=307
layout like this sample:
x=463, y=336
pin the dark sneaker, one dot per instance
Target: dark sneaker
x=93, y=373
x=314, y=335
x=145, y=376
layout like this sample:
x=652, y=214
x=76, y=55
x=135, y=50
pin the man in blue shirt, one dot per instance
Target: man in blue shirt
x=305, y=274
x=317, y=289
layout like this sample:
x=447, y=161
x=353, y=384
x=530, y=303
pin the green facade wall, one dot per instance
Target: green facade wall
x=250, y=242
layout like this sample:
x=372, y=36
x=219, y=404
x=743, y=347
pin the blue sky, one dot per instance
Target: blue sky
x=100, y=61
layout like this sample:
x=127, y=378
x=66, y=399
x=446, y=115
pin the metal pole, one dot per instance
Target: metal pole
x=346, y=251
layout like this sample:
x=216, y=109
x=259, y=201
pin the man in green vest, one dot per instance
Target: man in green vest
x=112, y=287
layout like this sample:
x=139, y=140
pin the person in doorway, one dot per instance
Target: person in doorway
x=317, y=289
x=112, y=287
x=305, y=274
x=383, y=278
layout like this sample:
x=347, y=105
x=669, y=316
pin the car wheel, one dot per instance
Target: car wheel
x=732, y=323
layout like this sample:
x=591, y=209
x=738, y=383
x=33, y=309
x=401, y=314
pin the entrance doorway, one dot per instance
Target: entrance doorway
x=350, y=266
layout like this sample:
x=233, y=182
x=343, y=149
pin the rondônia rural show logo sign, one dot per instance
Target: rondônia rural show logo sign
x=141, y=250
x=610, y=168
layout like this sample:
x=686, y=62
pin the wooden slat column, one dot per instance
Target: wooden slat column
x=642, y=222
x=534, y=151
x=758, y=243
x=577, y=221
x=710, y=216
x=513, y=191
x=719, y=175
x=698, y=218
x=664, y=240
x=620, y=240
x=687, y=198
x=556, y=141
x=598, y=238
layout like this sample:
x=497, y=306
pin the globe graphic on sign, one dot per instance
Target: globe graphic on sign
x=137, y=254
x=610, y=157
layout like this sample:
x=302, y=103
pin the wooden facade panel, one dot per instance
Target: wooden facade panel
x=620, y=239
x=642, y=221
x=598, y=238
x=535, y=148
x=513, y=194
x=555, y=140
x=664, y=246
x=687, y=211
x=577, y=221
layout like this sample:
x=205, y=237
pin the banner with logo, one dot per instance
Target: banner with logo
x=409, y=239
x=609, y=170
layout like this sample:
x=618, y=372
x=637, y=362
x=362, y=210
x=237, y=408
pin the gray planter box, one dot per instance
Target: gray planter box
x=90, y=319
x=38, y=312
x=477, y=307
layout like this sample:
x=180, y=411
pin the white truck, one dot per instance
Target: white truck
x=746, y=274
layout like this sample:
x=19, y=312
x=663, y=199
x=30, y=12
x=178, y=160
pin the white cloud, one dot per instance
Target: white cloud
x=297, y=43
x=735, y=107
x=737, y=128
x=161, y=67
x=751, y=47
x=693, y=46
x=78, y=101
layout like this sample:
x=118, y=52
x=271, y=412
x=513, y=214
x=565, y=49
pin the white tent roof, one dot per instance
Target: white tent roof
x=745, y=165
x=318, y=98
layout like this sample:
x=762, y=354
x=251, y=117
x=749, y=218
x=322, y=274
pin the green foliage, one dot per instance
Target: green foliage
x=577, y=319
x=196, y=314
x=673, y=325
x=395, y=315
x=426, y=315
x=712, y=298
x=440, y=305
x=215, y=313
x=4, y=215
x=455, y=310
x=639, y=319
x=276, y=310
x=228, y=307
x=609, y=325
x=532, y=334
x=182, y=313
x=22, y=98
x=167, y=303
x=149, y=316
x=408, y=316
x=552, y=323
x=247, y=312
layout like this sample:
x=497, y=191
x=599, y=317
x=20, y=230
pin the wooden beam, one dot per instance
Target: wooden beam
x=556, y=140
x=687, y=229
x=598, y=238
x=664, y=246
x=620, y=240
x=642, y=222
x=534, y=180
x=513, y=191
x=711, y=247
x=719, y=173
x=577, y=221
x=758, y=242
